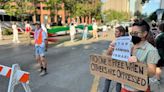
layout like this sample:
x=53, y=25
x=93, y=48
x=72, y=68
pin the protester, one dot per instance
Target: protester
x=142, y=51
x=85, y=32
x=40, y=38
x=155, y=31
x=119, y=31
x=105, y=30
x=72, y=32
x=95, y=34
x=15, y=33
x=27, y=32
x=160, y=47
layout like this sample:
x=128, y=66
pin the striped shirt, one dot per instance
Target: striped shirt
x=147, y=54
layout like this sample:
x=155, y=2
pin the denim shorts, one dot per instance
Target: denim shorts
x=39, y=51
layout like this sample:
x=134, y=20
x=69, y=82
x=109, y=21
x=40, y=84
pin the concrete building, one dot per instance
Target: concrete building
x=135, y=6
x=44, y=15
x=162, y=4
x=118, y=5
x=130, y=6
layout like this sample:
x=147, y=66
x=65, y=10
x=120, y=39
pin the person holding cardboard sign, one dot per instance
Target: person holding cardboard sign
x=142, y=51
x=119, y=31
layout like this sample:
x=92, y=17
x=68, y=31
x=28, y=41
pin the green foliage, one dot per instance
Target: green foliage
x=11, y=10
x=54, y=4
x=82, y=8
x=111, y=15
x=7, y=32
x=73, y=7
x=18, y=8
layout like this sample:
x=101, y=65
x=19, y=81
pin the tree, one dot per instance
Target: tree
x=70, y=6
x=18, y=8
x=82, y=7
x=2, y=3
x=96, y=11
x=115, y=15
x=10, y=8
x=23, y=8
x=54, y=6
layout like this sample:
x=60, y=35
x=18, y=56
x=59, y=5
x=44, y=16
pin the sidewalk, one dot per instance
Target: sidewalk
x=7, y=39
x=63, y=39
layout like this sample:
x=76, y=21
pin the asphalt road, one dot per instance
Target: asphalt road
x=68, y=67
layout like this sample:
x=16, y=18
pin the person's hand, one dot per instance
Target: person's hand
x=132, y=59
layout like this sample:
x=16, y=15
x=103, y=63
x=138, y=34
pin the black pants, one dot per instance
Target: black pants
x=107, y=86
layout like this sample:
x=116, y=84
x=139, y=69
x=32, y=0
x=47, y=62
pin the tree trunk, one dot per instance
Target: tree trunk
x=10, y=18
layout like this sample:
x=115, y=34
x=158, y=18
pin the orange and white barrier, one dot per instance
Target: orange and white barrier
x=16, y=76
x=5, y=71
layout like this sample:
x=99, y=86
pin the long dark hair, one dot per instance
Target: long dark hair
x=121, y=29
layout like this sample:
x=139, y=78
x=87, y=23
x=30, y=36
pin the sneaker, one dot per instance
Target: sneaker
x=43, y=73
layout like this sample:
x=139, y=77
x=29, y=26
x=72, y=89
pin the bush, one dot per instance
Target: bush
x=116, y=15
x=7, y=32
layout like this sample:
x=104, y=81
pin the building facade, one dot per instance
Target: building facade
x=61, y=16
x=44, y=15
x=118, y=5
x=162, y=4
x=135, y=5
x=129, y=6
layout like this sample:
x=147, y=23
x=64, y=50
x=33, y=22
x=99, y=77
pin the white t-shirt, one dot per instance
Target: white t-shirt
x=105, y=28
x=27, y=25
x=44, y=28
x=94, y=26
x=85, y=29
x=72, y=30
x=14, y=27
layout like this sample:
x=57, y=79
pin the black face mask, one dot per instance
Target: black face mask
x=136, y=39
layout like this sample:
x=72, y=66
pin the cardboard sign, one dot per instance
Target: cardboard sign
x=122, y=50
x=133, y=74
